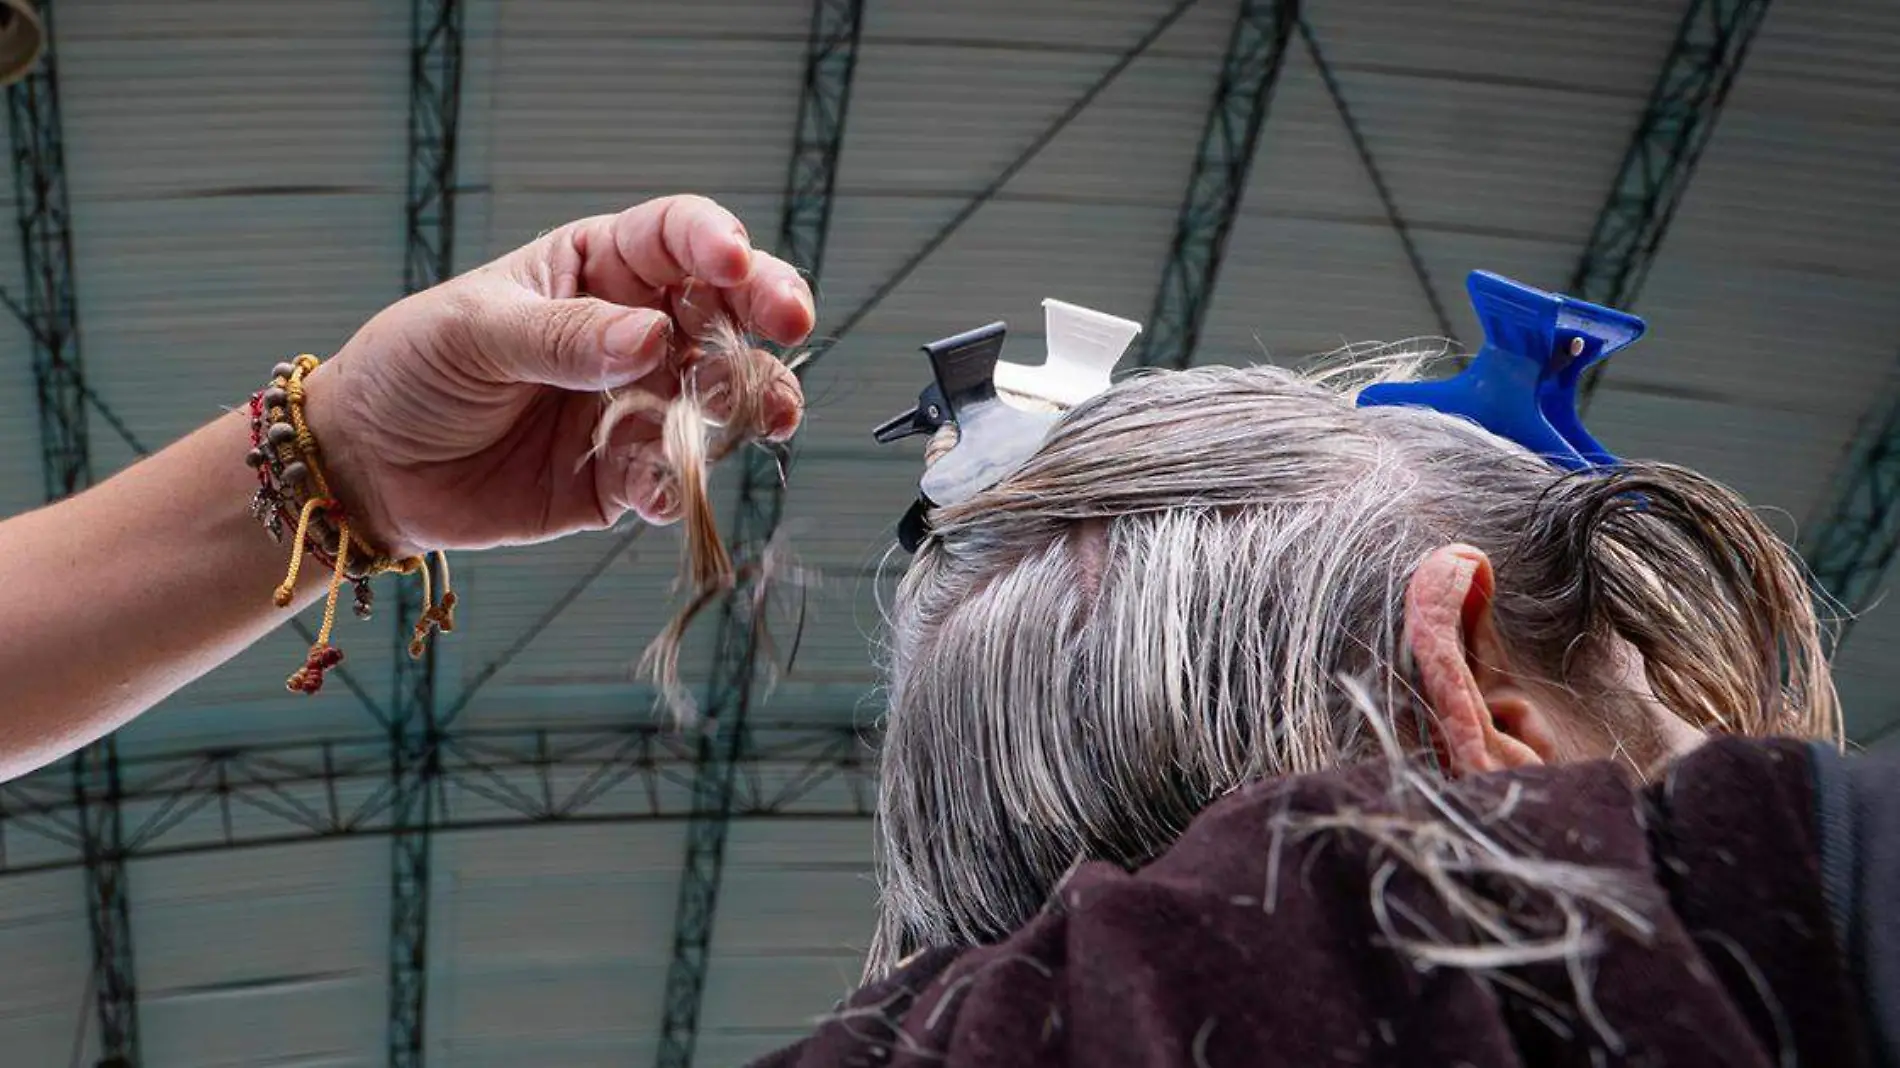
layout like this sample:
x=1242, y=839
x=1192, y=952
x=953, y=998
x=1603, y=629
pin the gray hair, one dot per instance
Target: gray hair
x=1162, y=604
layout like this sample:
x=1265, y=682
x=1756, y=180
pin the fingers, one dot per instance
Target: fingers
x=781, y=402
x=630, y=470
x=650, y=254
x=775, y=302
x=586, y=344
x=666, y=241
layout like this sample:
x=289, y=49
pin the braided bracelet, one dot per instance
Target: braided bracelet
x=294, y=493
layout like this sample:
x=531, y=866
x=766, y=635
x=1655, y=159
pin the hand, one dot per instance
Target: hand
x=463, y=417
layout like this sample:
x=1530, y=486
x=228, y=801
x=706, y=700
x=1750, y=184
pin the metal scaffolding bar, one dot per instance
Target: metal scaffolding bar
x=995, y=186
x=830, y=62
x=1710, y=44
x=1859, y=529
x=1256, y=50
x=315, y=790
x=1363, y=149
x=435, y=87
x=51, y=315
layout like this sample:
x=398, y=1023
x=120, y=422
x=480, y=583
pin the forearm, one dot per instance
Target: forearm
x=121, y=595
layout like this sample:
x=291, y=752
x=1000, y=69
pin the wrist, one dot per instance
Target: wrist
x=347, y=462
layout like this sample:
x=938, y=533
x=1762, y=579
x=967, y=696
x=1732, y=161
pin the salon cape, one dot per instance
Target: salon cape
x=1771, y=872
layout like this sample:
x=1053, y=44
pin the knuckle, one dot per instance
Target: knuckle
x=568, y=328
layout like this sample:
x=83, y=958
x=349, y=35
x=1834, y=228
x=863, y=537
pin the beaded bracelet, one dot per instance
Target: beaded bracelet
x=293, y=492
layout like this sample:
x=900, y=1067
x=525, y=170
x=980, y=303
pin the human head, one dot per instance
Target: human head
x=1164, y=603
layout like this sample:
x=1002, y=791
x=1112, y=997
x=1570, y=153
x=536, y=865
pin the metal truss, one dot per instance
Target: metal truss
x=1859, y=530
x=830, y=63
x=51, y=314
x=250, y=796
x=1256, y=50
x=762, y=498
x=989, y=192
x=435, y=87
x=1710, y=44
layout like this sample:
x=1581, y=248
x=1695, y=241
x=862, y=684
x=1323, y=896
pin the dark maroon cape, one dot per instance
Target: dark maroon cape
x=1180, y=963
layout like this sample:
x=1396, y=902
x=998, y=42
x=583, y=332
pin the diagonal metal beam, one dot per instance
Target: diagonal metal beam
x=1256, y=49
x=617, y=546
x=435, y=88
x=811, y=178
x=1363, y=150
x=1710, y=45
x=830, y=61
x=1858, y=531
x=52, y=319
x=1003, y=177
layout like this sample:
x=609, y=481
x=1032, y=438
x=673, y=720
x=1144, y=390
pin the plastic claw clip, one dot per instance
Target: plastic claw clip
x=1002, y=411
x=1522, y=385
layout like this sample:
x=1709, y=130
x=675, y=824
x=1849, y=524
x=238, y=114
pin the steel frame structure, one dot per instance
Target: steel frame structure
x=281, y=793
x=1859, y=531
x=1256, y=51
x=699, y=883
x=51, y=315
x=1711, y=43
x=435, y=88
x=804, y=224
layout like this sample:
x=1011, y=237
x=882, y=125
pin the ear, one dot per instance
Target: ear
x=1487, y=720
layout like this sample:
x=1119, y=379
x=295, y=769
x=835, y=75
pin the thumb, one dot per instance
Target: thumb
x=582, y=343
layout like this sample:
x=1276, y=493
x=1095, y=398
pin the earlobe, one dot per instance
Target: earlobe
x=1485, y=721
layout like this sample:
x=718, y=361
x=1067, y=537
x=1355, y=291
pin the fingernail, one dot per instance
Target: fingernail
x=785, y=412
x=633, y=335
x=660, y=505
x=800, y=294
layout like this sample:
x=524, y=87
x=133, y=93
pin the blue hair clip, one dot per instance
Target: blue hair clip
x=1522, y=385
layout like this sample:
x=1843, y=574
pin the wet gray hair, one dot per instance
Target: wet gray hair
x=1163, y=603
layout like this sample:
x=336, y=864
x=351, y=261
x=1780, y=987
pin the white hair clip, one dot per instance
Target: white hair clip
x=1003, y=411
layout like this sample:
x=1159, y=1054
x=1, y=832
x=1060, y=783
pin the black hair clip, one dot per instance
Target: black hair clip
x=994, y=435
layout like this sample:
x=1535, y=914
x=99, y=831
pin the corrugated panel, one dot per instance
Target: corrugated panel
x=1294, y=287
x=795, y=916
x=1041, y=27
x=1774, y=290
x=1474, y=156
x=44, y=1002
x=271, y=956
x=21, y=483
x=1488, y=170
x=841, y=647
x=551, y=947
x=598, y=638
x=933, y=118
x=1611, y=47
x=163, y=100
x=21, y=487
x=245, y=702
x=189, y=302
x=1864, y=672
x=606, y=96
x=1769, y=457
